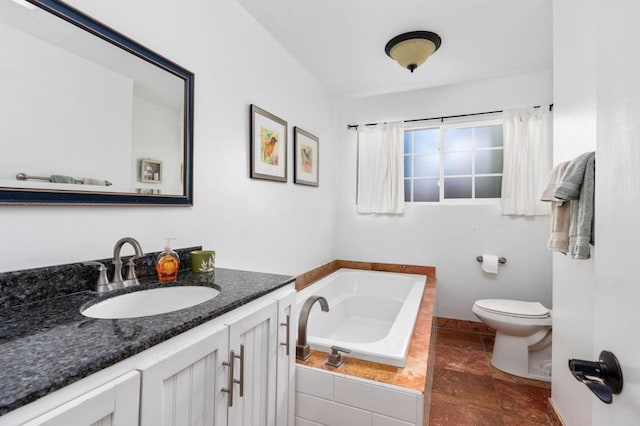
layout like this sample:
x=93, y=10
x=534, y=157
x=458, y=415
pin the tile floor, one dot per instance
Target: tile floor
x=467, y=390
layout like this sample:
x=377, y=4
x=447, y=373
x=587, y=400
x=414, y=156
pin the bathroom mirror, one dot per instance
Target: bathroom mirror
x=87, y=115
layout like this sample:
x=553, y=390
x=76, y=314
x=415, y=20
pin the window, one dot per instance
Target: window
x=453, y=161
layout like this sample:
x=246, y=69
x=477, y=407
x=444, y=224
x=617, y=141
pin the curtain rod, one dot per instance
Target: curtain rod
x=355, y=126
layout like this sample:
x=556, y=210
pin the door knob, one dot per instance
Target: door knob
x=603, y=377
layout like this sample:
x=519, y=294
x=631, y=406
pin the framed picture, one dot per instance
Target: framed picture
x=268, y=146
x=306, y=147
x=151, y=171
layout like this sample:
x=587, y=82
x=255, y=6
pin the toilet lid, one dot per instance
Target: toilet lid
x=515, y=308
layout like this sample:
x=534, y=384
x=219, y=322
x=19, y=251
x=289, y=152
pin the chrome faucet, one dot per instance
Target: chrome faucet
x=103, y=283
x=303, y=351
x=131, y=279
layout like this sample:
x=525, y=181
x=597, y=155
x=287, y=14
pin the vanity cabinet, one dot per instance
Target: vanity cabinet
x=254, y=341
x=191, y=384
x=183, y=387
x=113, y=404
x=185, y=380
x=286, y=379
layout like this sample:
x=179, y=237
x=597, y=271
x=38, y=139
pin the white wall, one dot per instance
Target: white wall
x=448, y=237
x=256, y=225
x=574, y=85
x=43, y=115
x=157, y=136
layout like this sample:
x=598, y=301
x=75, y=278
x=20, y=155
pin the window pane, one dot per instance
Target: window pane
x=407, y=142
x=489, y=187
x=457, y=187
x=407, y=190
x=488, y=136
x=407, y=165
x=489, y=161
x=457, y=163
x=425, y=190
x=465, y=156
x=426, y=140
x=426, y=165
x=457, y=139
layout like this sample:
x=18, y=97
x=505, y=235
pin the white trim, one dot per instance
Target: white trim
x=463, y=201
x=470, y=121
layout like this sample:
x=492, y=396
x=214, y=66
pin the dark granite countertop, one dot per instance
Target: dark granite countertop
x=49, y=344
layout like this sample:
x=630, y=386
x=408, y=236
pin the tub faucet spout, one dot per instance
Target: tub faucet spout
x=303, y=351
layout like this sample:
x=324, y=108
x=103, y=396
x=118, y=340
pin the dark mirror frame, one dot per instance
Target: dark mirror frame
x=20, y=196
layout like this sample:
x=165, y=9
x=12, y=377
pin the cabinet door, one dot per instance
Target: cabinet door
x=285, y=389
x=184, y=386
x=112, y=404
x=256, y=337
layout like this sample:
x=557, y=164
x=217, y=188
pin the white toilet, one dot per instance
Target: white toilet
x=523, y=336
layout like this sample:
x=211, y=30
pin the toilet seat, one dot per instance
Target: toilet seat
x=514, y=308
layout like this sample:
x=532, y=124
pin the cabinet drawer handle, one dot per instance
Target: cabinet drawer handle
x=241, y=381
x=286, y=343
x=229, y=388
x=232, y=379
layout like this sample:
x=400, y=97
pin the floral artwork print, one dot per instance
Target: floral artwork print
x=269, y=146
x=307, y=153
x=306, y=158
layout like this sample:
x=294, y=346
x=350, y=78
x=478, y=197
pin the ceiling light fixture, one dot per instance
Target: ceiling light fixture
x=411, y=49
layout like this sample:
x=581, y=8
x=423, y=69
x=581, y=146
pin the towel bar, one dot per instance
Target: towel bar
x=501, y=260
x=24, y=176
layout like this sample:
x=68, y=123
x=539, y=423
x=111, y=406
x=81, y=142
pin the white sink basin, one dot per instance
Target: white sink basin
x=150, y=302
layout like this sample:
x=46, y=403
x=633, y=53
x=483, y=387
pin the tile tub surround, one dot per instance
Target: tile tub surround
x=417, y=374
x=306, y=279
x=49, y=344
x=414, y=375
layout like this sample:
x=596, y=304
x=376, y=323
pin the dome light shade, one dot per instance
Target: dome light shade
x=411, y=49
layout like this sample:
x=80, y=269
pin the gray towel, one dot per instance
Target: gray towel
x=571, y=182
x=91, y=181
x=62, y=179
x=578, y=183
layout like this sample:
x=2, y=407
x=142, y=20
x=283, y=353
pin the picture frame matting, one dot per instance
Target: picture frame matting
x=268, y=146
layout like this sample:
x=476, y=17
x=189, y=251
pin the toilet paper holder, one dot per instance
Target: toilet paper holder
x=501, y=260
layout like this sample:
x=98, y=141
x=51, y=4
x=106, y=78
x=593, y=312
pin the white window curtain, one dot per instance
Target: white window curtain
x=381, y=168
x=527, y=160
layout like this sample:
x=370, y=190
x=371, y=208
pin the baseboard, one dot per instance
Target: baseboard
x=464, y=325
x=554, y=416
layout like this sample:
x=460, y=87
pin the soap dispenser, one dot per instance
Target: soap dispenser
x=168, y=264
